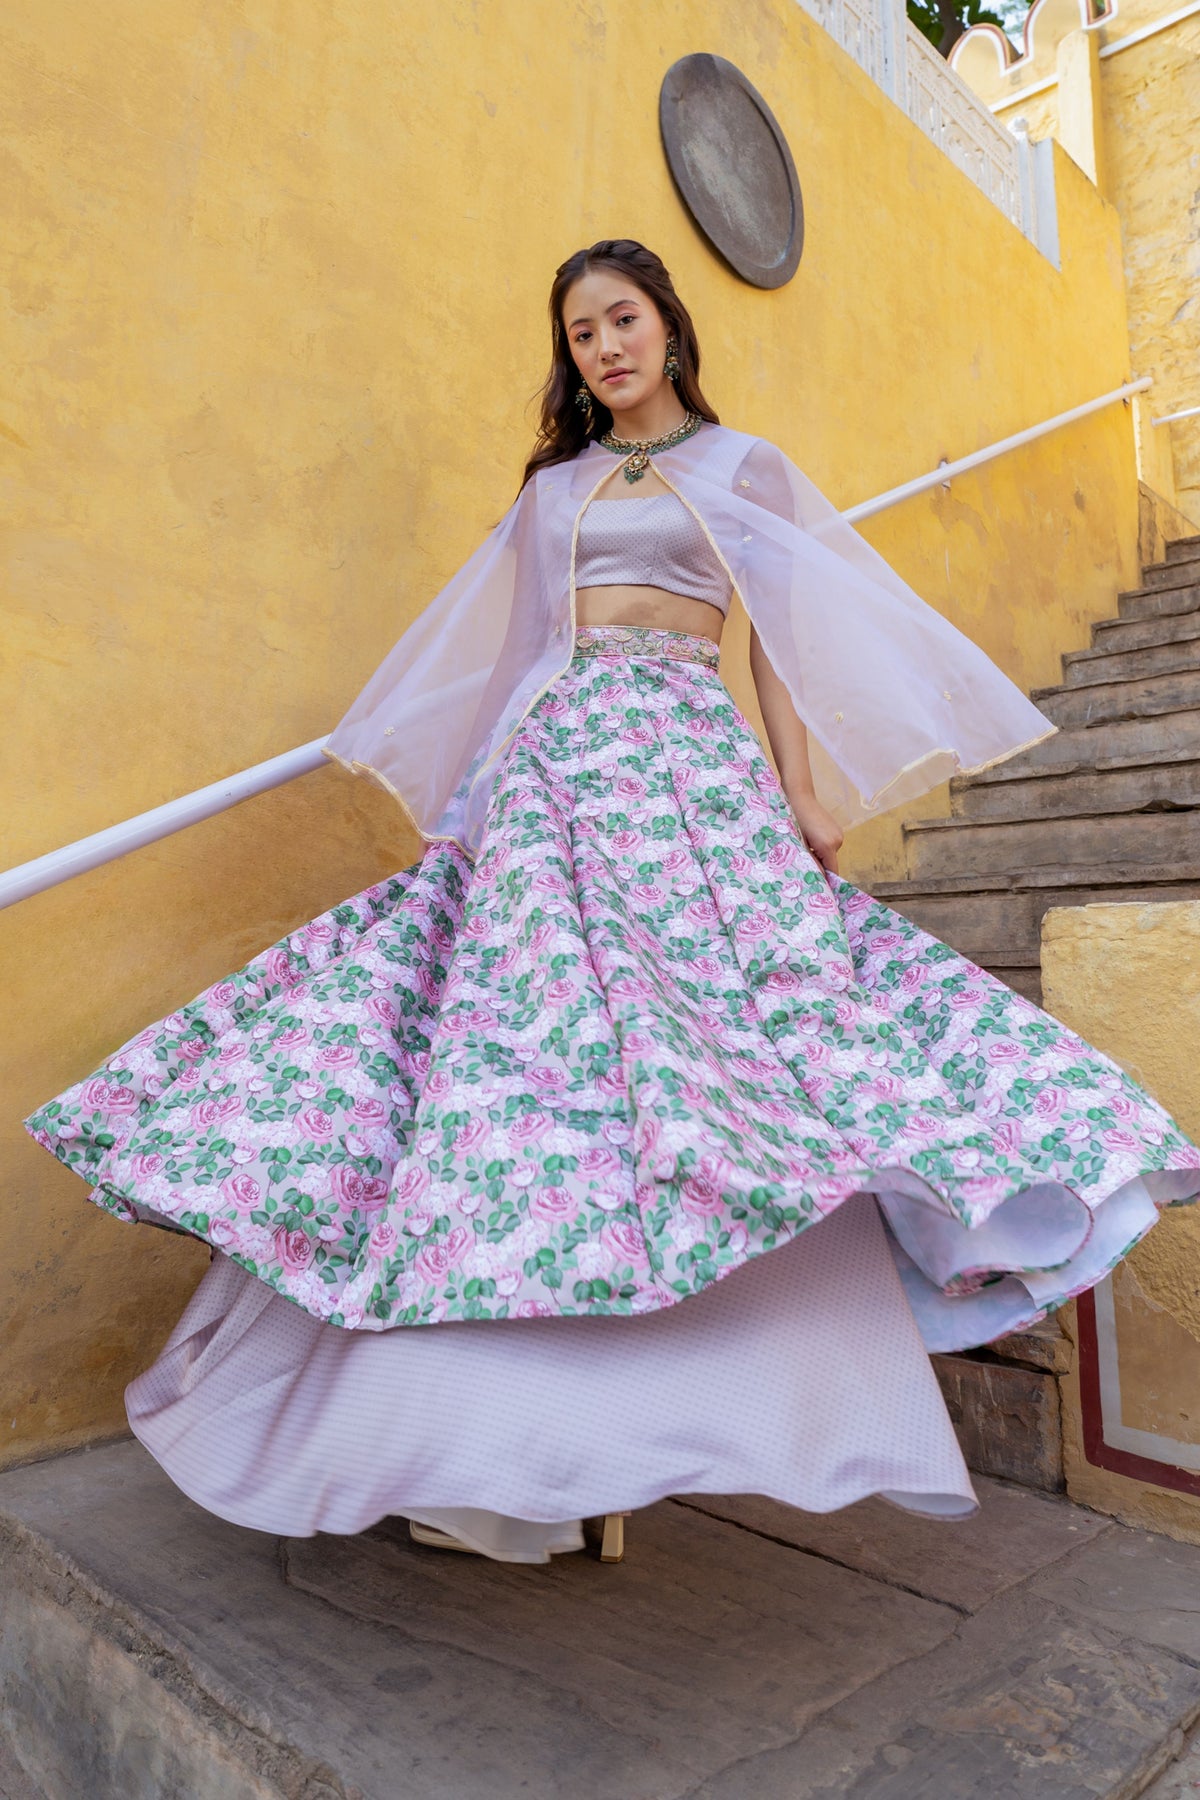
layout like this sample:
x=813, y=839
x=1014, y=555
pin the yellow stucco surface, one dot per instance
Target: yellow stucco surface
x=1147, y=105
x=275, y=326
x=1127, y=978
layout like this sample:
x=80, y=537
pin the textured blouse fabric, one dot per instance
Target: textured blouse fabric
x=895, y=698
x=649, y=542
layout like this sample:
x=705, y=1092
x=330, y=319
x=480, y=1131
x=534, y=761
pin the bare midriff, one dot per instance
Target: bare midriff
x=650, y=606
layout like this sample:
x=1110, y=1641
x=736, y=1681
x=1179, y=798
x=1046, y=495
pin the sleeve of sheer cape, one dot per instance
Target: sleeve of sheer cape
x=896, y=699
x=426, y=716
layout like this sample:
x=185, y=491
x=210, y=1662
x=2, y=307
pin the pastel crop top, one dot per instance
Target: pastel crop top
x=652, y=541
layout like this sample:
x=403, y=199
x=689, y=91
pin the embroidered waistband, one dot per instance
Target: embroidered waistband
x=646, y=640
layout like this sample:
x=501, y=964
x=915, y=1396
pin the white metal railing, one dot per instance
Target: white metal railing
x=163, y=821
x=1189, y=412
x=885, y=43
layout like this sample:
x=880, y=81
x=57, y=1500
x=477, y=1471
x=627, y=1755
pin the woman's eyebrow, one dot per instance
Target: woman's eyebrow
x=612, y=308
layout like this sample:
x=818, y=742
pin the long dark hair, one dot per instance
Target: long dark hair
x=563, y=432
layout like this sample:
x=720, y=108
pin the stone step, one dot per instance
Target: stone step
x=1076, y=879
x=1126, y=743
x=1175, y=570
x=1140, y=789
x=1116, y=662
x=944, y=847
x=1147, y=603
x=1002, y=929
x=1109, y=701
x=1134, y=634
x=150, y=1651
x=1183, y=549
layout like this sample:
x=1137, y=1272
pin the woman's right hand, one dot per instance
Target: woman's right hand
x=819, y=829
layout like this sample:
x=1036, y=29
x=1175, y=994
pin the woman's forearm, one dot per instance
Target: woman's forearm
x=788, y=738
x=786, y=732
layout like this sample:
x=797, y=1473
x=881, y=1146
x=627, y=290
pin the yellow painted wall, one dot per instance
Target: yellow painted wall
x=1148, y=105
x=276, y=319
x=1127, y=977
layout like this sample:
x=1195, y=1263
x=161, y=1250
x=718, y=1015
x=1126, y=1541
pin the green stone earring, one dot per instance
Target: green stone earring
x=671, y=367
x=583, y=399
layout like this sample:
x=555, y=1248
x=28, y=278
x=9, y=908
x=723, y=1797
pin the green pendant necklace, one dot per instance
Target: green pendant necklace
x=644, y=448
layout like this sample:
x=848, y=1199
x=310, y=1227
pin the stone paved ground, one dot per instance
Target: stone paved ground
x=1181, y=1781
x=743, y=1651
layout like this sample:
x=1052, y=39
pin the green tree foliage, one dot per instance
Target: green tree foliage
x=944, y=21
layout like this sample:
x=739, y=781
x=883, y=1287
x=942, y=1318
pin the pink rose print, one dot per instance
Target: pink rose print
x=470, y=1135
x=700, y=1196
x=1115, y=1139
x=295, y=1250
x=382, y=1240
x=241, y=1192
x=598, y=1159
x=280, y=969
x=551, y=1203
x=411, y=1183
x=551, y=1079
x=315, y=1124
x=623, y=1238
x=433, y=1261
x=369, y=1112
x=216, y=1112
x=352, y=1189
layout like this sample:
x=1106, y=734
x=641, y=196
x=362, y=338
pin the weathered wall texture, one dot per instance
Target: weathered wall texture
x=1128, y=979
x=278, y=285
x=1146, y=103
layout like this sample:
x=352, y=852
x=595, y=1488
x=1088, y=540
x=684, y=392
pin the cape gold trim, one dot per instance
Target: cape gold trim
x=377, y=775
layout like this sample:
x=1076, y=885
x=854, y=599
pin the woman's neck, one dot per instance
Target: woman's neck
x=661, y=413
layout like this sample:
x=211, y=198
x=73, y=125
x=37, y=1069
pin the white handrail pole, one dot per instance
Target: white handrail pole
x=148, y=827
x=160, y=822
x=866, y=508
x=1189, y=412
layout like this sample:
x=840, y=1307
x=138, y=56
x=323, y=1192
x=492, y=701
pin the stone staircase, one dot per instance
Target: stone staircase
x=1107, y=809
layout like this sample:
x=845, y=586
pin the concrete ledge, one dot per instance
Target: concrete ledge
x=743, y=1651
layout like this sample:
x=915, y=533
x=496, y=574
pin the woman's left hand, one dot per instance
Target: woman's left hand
x=819, y=829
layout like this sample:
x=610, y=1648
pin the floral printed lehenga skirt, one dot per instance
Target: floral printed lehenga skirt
x=638, y=1158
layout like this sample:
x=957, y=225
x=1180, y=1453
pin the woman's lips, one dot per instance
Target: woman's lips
x=618, y=375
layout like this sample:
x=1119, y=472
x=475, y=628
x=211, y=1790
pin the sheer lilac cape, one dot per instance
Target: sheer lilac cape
x=895, y=698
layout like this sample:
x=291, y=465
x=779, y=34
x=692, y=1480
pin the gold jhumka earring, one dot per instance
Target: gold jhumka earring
x=583, y=399
x=671, y=366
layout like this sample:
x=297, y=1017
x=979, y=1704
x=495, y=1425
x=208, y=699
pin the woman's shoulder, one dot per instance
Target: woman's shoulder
x=724, y=453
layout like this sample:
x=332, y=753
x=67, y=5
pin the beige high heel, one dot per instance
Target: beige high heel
x=607, y=1536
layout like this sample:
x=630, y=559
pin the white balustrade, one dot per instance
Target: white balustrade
x=1016, y=176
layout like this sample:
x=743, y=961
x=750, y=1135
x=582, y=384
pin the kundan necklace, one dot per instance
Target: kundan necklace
x=644, y=448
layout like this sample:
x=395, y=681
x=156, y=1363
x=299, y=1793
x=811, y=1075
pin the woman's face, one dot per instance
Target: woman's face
x=618, y=338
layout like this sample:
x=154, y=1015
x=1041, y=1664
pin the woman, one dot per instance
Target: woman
x=620, y=1148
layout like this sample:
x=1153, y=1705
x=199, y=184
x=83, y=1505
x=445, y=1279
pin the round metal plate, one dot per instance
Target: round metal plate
x=733, y=168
